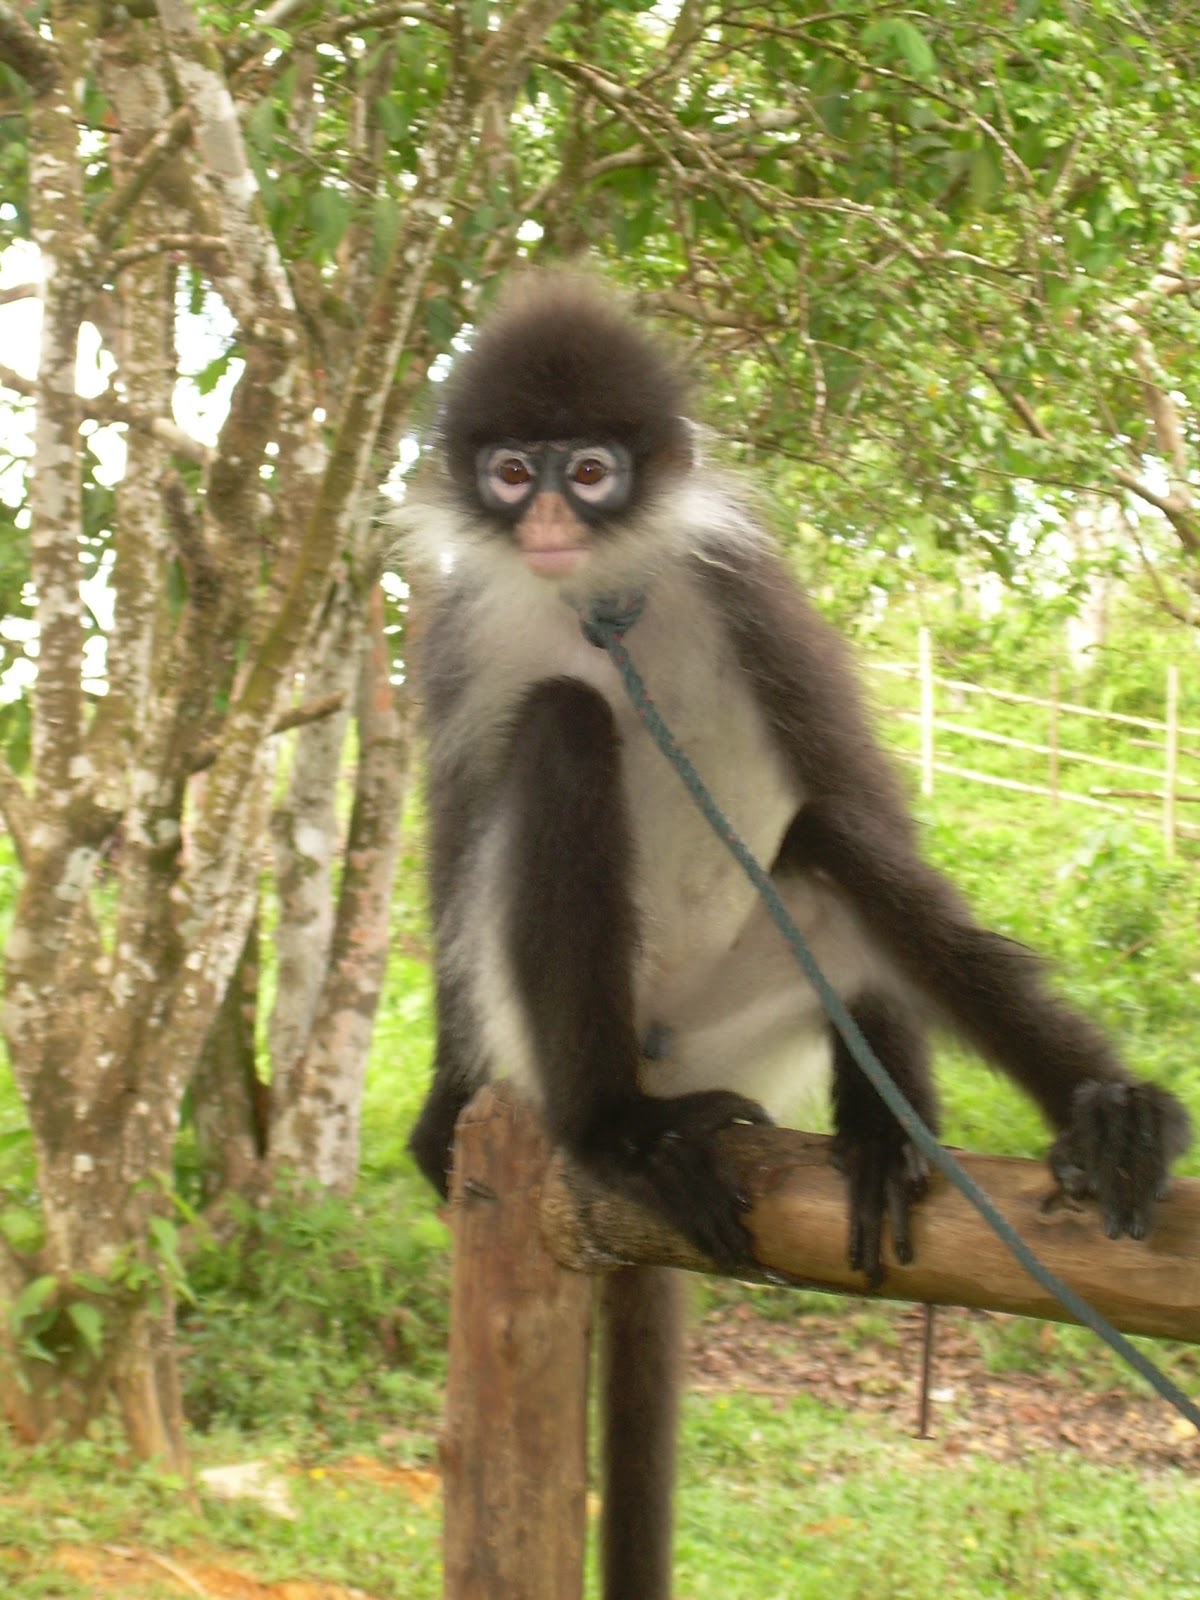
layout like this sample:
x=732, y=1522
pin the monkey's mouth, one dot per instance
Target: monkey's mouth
x=555, y=563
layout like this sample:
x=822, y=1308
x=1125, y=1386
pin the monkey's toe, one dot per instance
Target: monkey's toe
x=665, y=1153
x=885, y=1177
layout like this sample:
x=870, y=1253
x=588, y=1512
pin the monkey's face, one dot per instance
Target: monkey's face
x=555, y=497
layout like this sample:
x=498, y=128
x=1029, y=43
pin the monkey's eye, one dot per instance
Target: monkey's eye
x=599, y=475
x=589, y=471
x=505, y=475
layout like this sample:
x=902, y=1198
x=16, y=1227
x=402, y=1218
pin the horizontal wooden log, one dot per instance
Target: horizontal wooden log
x=798, y=1224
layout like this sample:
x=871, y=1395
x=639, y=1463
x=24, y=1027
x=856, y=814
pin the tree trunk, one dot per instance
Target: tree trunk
x=95, y=1314
x=316, y=1112
x=218, y=559
x=230, y=1102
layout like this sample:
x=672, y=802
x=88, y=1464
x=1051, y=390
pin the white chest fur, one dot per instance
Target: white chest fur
x=692, y=898
x=712, y=976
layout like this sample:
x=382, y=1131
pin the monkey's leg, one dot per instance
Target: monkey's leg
x=884, y=1171
x=641, y=1349
x=432, y=1139
x=571, y=940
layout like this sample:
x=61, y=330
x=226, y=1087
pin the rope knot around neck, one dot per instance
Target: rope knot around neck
x=610, y=617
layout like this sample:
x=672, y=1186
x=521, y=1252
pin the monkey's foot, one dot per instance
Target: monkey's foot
x=885, y=1175
x=1117, y=1148
x=664, y=1153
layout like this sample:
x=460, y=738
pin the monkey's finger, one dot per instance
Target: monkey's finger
x=899, y=1205
x=867, y=1206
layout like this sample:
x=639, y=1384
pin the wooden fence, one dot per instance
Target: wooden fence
x=1161, y=779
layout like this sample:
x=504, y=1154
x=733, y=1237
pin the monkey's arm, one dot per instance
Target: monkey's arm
x=1116, y=1135
x=571, y=936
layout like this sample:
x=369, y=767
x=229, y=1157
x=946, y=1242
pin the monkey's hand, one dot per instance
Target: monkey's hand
x=885, y=1175
x=1118, y=1148
x=664, y=1153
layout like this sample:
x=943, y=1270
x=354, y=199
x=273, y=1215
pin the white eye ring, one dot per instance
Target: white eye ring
x=599, y=491
x=506, y=491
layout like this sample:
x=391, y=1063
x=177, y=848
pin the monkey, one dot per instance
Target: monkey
x=596, y=942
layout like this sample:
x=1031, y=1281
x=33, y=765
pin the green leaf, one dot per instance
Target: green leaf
x=21, y=1227
x=91, y=1283
x=262, y=125
x=895, y=36
x=207, y=379
x=164, y=1236
x=328, y=215
x=914, y=47
x=89, y=1324
x=985, y=176
x=33, y=1298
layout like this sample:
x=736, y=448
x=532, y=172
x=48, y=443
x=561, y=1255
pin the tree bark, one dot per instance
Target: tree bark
x=316, y=1127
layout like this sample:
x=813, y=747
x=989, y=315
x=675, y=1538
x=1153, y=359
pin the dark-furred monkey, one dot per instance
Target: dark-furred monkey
x=596, y=942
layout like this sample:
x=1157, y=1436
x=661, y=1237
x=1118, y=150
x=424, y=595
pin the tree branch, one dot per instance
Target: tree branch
x=506, y=49
x=257, y=282
x=17, y=382
x=298, y=717
x=16, y=809
x=1179, y=514
x=1176, y=507
x=24, y=50
x=386, y=329
x=202, y=247
x=109, y=407
x=140, y=173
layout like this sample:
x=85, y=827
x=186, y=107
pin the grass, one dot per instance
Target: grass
x=801, y=1501
x=347, y=1529
x=790, y=1500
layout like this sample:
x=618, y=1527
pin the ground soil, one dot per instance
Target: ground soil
x=1002, y=1415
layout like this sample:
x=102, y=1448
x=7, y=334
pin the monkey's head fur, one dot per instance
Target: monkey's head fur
x=560, y=358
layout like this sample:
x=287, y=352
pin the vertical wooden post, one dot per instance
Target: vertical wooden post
x=925, y=677
x=514, y=1445
x=1053, y=739
x=1171, y=764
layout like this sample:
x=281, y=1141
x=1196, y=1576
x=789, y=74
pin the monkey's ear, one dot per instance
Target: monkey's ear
x=685, y=453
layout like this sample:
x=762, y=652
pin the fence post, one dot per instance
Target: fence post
x=514, y=1443
x=1171, y=768
x=925, y=675
x=1053, y=740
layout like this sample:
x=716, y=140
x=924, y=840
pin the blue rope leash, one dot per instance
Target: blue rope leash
x=604, y=626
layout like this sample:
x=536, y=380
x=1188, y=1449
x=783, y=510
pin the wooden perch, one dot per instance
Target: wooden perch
x=799, y=1229
x=514, y=1446
x=514, y=1442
